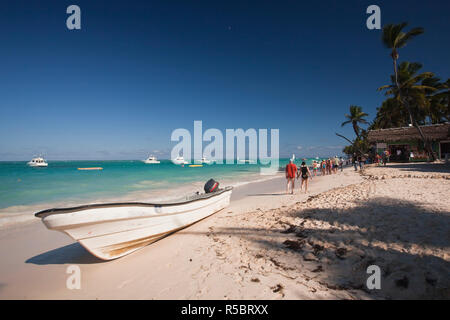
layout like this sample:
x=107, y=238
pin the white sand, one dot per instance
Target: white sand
x=345, y=223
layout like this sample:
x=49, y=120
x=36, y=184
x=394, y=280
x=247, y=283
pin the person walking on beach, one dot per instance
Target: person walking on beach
x=329, y=166
x=315, y=165
x=291, y=171
x=336, y=164
x=305, y=174
x=361, y=162
x=341, y=164
x=385, y=157
x=354, y=159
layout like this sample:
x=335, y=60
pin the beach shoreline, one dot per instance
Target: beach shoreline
x=25, y=213
x=265, y=245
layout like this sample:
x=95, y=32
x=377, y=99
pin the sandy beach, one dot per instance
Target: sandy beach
x=265, y=245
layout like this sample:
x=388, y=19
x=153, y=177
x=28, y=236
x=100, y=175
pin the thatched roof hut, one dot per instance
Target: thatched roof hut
x=435, y=132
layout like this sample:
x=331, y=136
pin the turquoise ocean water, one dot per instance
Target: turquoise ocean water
x=21, y=185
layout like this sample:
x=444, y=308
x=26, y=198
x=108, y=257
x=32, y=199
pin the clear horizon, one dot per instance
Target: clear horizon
x=117, y=88
x=135, y=159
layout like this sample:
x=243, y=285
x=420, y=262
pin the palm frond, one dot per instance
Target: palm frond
x=345, y=122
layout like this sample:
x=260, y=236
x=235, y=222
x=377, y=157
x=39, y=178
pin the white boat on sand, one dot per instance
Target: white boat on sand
x=112, y=230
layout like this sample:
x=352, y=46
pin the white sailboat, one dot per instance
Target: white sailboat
x=112, y=230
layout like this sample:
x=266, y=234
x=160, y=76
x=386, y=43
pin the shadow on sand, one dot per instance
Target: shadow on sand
x=71, y=254
x=407, y=241
x=422, y=167
x=404, y=239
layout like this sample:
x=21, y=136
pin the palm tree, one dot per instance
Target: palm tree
x=391, y=114
x=426, y=94
x=355, y=117
x=394, y=38
x=438, y=109
x=413, y=89
x=444, y=98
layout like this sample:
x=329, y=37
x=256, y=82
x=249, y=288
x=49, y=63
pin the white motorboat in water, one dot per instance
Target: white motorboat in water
x=151, y=160
x=247, y=161
x=112, y=230
x=206, y=161
x=179, y=160
x=37, y=162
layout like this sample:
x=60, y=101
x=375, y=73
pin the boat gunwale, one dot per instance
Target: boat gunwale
x=45, y=213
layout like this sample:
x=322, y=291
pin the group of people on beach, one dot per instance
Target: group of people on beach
x=325, y=167
x=292, y=173
x=358, y=160
x=383, y=158
x=328, y=166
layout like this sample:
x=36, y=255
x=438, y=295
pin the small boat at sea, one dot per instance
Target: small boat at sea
x=179, y=160
x=246, y=161
x=37, y=162
x=206, y=161
x=151, y=160
x=112, y=230
x=90, y=168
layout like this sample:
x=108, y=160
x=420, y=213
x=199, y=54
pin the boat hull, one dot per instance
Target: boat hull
x=178, y=162
x=111, y=231
x=37, y=164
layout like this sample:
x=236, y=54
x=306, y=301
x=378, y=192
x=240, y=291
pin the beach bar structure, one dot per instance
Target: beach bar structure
x=405, y=143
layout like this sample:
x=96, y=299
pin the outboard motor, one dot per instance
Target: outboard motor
x=211, y=185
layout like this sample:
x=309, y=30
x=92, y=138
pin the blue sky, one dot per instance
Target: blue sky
x=137, y=70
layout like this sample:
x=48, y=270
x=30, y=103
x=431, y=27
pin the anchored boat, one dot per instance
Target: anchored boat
x=179, y=160
x=112, y=230
x=206, y=161
x=37, y=162
x=151, y=160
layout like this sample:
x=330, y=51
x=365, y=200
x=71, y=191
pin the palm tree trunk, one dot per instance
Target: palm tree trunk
x=356, y=129
x=353, y=143
x=427, y=146
x=399, y=90
x=395, y=70
x=426, y=143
